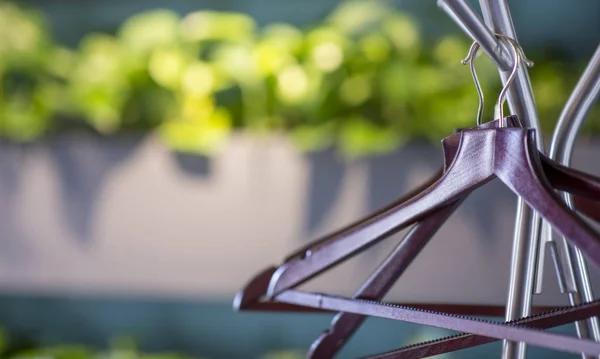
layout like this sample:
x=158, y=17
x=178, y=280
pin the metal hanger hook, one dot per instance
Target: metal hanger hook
x=519, y=57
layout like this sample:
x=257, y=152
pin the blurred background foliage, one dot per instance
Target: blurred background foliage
x=364, y=80
x=122, y=347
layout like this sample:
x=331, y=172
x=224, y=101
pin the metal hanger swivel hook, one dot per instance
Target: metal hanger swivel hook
x=519, y=57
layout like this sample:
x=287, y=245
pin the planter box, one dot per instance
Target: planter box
x=124, y=216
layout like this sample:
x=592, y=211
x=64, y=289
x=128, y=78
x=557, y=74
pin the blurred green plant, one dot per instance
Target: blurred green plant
x=123, y=347
x=363, y=80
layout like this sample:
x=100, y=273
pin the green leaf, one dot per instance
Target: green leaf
x=358, y=138
x=213, y=25
x=147, y=31
x=198, y=128
x=404, y=33
x=311, y=138
x=364, y=79
x=285, y=354
x=352, y=17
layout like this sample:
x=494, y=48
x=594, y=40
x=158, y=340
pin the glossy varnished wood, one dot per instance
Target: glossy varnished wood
x=471, y=158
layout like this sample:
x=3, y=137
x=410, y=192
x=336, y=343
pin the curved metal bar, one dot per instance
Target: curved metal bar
x=471, y=23
x=520, y=98
x=575, y=274
x=527, y=223
x=578, y=106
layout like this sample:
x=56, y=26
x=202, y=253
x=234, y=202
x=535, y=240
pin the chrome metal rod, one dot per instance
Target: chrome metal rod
x=528, y=223
x=522, y=267
x=571, y=119
x=520, y=95
x=471, y=23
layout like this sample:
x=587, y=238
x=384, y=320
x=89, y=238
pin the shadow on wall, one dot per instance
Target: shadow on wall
x=326, y=177
x=394, y=175
x=84, y=165
x=13, y=247
x=193, y=165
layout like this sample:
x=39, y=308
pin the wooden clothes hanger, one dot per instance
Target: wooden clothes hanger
x=322, y=256
x=379, y=283
x=472, y=158
x=520, y=169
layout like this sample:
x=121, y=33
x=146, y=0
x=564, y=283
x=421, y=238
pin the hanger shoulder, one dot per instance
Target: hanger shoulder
x=472, y=167
x=570, y=180
x=344, y=324
x=585, y=187
x=250, y=297
x=587, y=207
x=450, y=146
x=518, y=165
x=302, y=251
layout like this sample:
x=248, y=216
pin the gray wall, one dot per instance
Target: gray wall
x=124, y=216
x=111, y=236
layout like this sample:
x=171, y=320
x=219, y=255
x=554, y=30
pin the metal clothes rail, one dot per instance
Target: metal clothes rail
x=527, y=260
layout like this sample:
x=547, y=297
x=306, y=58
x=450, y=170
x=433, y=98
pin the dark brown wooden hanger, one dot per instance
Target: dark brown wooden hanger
x=542, y=173
x=379, y=283
x=550, y=319
x=479, y=327
x=344, y=325
x=587, y=207
x=506, y=153
x=471, y=159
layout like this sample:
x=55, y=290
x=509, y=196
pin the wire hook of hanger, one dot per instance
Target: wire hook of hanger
x=518, y=55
